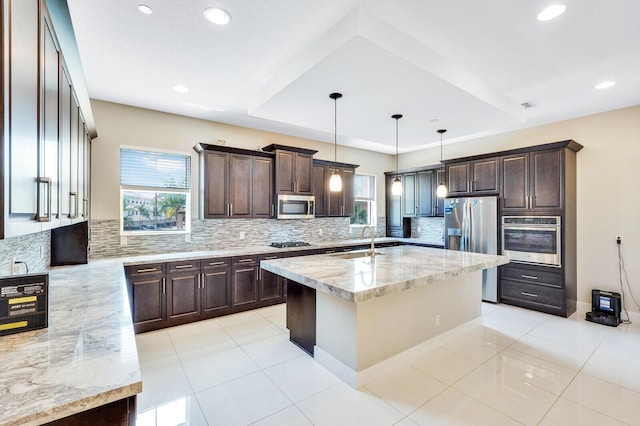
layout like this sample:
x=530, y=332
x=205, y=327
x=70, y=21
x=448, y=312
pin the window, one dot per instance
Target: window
x=154, y=192
x=364, y=203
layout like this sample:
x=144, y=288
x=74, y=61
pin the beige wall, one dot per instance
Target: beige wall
x=608, y=179
x=124, y=125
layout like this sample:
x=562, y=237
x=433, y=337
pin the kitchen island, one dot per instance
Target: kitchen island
x=360, y=316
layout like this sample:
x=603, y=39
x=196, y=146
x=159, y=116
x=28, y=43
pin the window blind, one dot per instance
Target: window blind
x=154, y=169
x=365, y=187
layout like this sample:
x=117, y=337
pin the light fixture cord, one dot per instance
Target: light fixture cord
x=335, y=130
x=440, y=150
x=396, y=146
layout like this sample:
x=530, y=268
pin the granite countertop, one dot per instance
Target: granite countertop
x=394, y=269
x=86, y=358
x=258, y=250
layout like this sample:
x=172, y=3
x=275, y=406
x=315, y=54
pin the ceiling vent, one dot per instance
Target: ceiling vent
x=527, y=105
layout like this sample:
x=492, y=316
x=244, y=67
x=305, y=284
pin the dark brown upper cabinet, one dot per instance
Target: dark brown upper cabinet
x=236, y=183
x=293, y=169
x=333, y=204
x=473, y=177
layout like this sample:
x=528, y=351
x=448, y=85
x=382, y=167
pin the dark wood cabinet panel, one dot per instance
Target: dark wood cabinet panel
x=262, y=182
x=245, y=280
x=240, y=185
x=183, y=294
x=294, y=171
x=458, y=179
x=328, y=203
x=301, y=315
x=547, y=183
x=484, y=174
x=304, y=173
x=533, y=181
x=216, y=286
x=409, y=196
x=515, y=182
x=426, y=193
x=320, y=189
x=285, y=172
x=216, y=184
x=148, y=299
x=271, y=285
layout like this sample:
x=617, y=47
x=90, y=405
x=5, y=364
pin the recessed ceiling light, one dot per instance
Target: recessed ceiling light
x=143, y=8
x=180, y=88
x=217, y=16
x=552, y=12
x=605, y=85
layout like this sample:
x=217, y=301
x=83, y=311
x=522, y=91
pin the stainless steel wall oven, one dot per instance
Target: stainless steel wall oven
x=532, y=239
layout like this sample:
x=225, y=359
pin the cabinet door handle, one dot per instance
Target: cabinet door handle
x=73, y=205
x=270, y=257
x=41, y=216
x=529, y=294
x=215, y=263
x=85, y=209
x=200, y=285
x=141, y=271
x=184, y=266
x=164, y=285
x=273, y=210
x=245, y=260
x=530, y=277
x=230, y=209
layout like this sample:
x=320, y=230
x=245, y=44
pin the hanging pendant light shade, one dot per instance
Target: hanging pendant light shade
x=335, y=183
x=441, y=191
x=396, y=188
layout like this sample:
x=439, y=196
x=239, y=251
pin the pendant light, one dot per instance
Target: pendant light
x=335, y=183
x=441, y=192
x=396, y=188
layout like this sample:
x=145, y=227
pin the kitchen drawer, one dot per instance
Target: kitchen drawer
x=550, y=276
x=532, y=294
x=143, y=270
x=218, y=262
x=183, y=266
x=244, y=260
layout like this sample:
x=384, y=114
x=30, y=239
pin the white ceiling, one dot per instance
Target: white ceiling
x=468, y=64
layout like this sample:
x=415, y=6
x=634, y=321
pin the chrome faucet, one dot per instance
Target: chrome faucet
x=372, y=251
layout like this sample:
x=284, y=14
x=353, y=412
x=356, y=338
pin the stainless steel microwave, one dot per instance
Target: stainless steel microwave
x=532, y=239
x=295, y=206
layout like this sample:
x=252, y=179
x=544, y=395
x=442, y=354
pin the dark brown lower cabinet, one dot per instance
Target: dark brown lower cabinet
x=146, y=285
x=271, y=286
x=182, y=290
x=245, y=280
x=216, y=286
x=536, y=287
x=117, y=413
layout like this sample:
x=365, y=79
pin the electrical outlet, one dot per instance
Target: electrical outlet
x=619, y=239
x=419, y=229
x=438, y=320
x=320, y=231
x=241, y=235
x=14, y=267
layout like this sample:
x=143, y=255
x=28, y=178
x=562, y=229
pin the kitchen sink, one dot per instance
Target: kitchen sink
x=355, y=254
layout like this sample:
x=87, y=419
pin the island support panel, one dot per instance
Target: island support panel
x=301, y=315
x=358, y=341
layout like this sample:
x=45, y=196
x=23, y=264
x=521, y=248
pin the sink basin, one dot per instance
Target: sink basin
x=354, y=254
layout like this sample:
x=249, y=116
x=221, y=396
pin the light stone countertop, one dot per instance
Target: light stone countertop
x=86, y=358
x=394, y=269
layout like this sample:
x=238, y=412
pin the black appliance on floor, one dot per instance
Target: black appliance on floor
x=605, y=308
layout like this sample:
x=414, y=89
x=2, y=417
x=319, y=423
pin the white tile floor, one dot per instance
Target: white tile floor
x=516, y=367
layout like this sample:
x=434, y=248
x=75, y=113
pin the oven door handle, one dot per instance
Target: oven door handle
x=532, y=228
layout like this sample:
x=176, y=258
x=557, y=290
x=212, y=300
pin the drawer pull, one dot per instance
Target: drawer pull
x=529, y=294
x=184, y=266
x=329, y=251
x=141, y=271
x=531, y=277
x=270, y=257
x=215, y=263
x=245, y=260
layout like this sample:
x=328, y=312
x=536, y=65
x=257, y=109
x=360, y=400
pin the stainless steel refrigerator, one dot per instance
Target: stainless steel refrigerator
x=471, y=224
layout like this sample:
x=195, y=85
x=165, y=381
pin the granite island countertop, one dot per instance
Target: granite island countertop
x=87, y=356
x=394, y=269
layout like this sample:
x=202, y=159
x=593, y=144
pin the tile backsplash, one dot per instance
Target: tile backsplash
x=430, y=229
x=211, y=234
x=33, y=249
